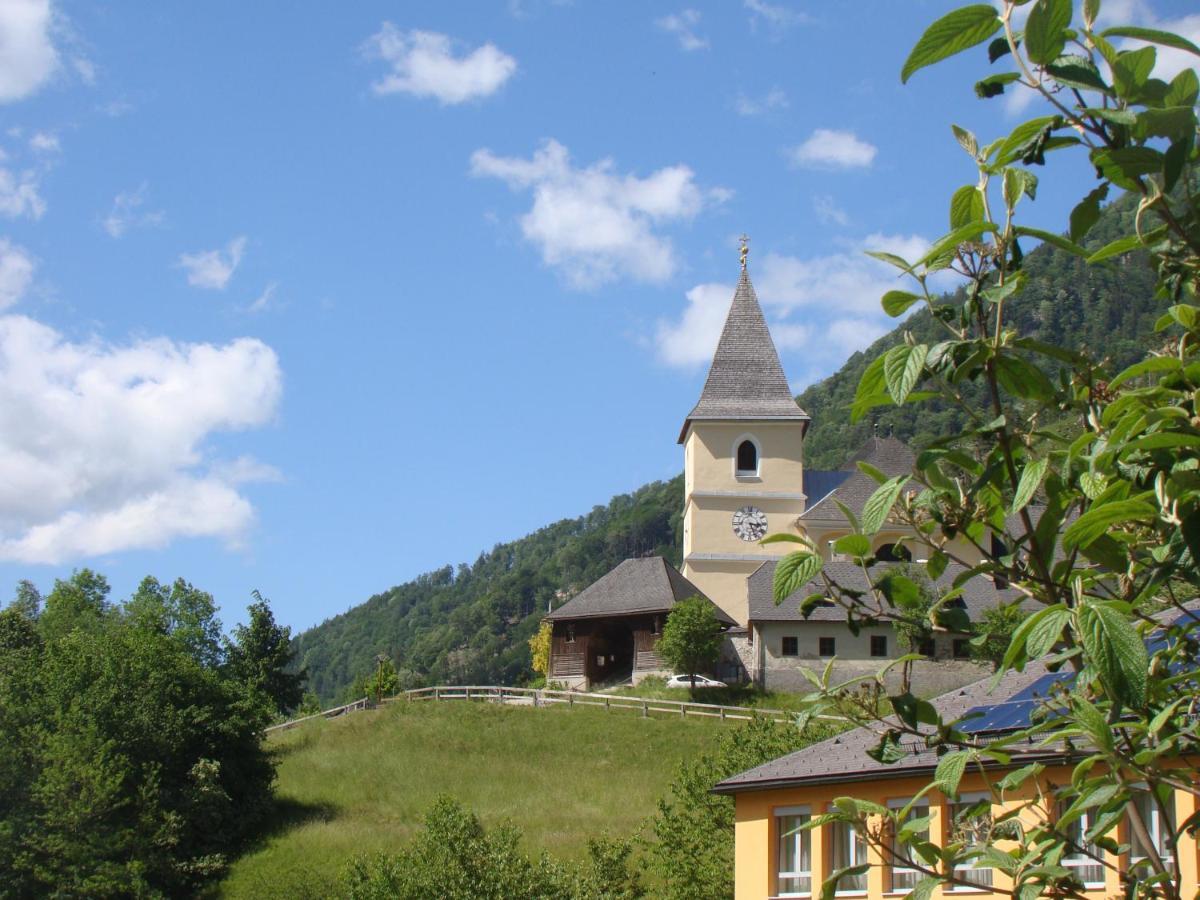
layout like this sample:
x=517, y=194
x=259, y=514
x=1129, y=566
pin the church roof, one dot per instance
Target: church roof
x=746, y=380
x=646, y=585
x=852, y=487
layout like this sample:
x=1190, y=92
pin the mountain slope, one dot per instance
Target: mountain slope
x=472, y=624
x=1108, y=310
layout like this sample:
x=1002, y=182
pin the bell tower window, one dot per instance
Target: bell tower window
x=747, y=458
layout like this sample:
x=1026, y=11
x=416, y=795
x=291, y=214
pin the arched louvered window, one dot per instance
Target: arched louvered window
x=893, y=553
x=747, y=458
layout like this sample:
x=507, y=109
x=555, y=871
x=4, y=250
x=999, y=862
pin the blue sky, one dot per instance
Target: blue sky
x=312, y=298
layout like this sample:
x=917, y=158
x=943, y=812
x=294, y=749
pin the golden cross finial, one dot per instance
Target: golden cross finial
x=745, y=250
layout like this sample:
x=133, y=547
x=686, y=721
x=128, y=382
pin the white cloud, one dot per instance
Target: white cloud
x=265, y=300
x=28, y=58
x=423, y=64
x=828, y=212
x=829, y=148
x=683, y=25
x=692, y=340
x=19, y=195
x=127, y=213
x=595, y=224
x=212, y=269
x=826, y=305
x=102, y=447
x=16, y=272
x=775, y=16
x=43, y=142
x=750, y=106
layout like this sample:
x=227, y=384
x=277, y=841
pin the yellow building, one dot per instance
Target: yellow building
x=774, y=858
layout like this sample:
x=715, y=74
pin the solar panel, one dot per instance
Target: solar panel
x=1017, y=711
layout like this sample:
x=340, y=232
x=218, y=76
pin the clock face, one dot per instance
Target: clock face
x=750, y=523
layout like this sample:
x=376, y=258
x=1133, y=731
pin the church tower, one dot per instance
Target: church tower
x=743, y=459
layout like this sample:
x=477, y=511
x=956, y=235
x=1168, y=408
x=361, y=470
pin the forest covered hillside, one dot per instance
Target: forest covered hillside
x=471, y=624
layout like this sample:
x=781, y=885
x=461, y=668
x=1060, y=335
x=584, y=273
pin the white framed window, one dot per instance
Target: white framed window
x=1160, y=827
x=1086, y=861
x=847, y=848
x=747, y=456
x=793, y=870
x=970, y=822
x=905, y=877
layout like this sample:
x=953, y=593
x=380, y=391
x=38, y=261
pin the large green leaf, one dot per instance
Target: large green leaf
x=993, y=85
x=952, y=33
x=1050, y=237
x=1021, y=138
x=942, y=252
x=1097, y=520
x=1115, y=650
x=1044, y=30
x=1087, y=213
x=966, y=206
x=1045, y=632
x=902, y=368
x=794, y=571
x=1131, y=71
x=895, y=303
x=950, y=770
x=1165, y=38
x=853, y=545
x=1077, y=72
x=1116, y=248
x=900, y=591
x=1017, y=652
x=879, y=504
x=1031, y=477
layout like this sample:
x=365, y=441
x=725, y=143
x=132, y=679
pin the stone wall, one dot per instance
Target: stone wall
x=930, y=677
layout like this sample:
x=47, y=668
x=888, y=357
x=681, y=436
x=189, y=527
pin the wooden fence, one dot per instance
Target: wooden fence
x=327, y=714
x=544, y=697
x=539, y=698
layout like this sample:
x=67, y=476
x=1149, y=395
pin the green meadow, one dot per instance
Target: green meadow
x=363, y=783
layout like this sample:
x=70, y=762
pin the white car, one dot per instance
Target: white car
x=682, y=681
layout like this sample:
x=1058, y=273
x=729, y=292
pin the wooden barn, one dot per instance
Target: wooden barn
x=607, y=634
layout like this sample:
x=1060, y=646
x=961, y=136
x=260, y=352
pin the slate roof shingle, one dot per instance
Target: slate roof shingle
x=646, y=585
x=979, y=594
x=888, y=454
x=746, y=380
x=844, y=758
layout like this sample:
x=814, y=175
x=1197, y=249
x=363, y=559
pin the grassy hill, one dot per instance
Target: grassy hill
x=470, y=624
x=364, y=782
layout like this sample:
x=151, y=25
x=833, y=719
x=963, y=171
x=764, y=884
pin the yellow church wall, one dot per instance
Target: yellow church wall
x=711, y=522
x=724, y=583
x=710, y=456
x=756, y=835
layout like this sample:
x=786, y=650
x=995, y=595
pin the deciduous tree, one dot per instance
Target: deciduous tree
x=1085, y=474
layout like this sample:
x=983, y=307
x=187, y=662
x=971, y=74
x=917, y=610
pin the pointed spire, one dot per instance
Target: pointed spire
x=746, y=380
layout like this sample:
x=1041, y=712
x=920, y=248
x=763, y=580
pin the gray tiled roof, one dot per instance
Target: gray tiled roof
x=646, y=585
x=746, y=380
x=844, y=758
x=889, y=455
x=979, y=594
